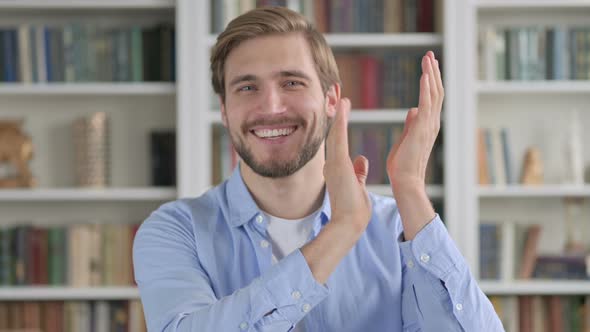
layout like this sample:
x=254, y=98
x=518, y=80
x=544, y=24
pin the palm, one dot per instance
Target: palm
x=407, y=160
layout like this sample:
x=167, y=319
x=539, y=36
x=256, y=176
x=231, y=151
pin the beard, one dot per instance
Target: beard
x=281, y=168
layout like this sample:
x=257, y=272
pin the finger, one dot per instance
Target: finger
x=361, y=169
x=432, y=82
x=424, y=102
x=437, y=75
x=337, y=140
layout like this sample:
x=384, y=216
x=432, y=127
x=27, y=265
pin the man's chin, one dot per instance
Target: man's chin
x=275, y=169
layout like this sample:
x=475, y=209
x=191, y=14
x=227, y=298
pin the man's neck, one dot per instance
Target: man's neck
x=292, y=197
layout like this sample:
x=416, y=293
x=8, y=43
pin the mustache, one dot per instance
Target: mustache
x=273, y=121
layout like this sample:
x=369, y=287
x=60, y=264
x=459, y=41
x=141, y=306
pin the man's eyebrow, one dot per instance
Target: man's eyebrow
x=294, y=73
x=242, y=78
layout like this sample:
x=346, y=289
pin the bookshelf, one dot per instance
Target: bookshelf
x=186, y=105
x=537, y=113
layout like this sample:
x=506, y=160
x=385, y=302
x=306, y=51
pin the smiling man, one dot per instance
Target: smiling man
x=293, y=241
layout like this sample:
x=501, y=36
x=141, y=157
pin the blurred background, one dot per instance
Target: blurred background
x=107, y=111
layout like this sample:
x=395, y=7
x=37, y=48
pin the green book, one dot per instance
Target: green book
x=57, y=255
x=136, y=55
x=6, y=257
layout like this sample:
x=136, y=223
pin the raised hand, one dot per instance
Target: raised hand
x=345, y=180
x=407, y=160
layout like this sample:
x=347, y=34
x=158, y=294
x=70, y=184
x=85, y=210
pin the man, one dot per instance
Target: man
x=293, y=241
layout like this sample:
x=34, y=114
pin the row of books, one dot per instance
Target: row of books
x=534, y=53
x=390, y=80
x=536, y=313
x=72, y=316
x=494, y=157
x=375, y=16
x=372, y=141
x=342, y=16
x=73, y=255
x=509, y=250
x=376, y=81
x=81, y=52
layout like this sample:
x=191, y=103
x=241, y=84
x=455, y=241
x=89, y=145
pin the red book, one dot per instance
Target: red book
x=369, y=82
x=34, y=261
x=425, y=16
x=43, y=256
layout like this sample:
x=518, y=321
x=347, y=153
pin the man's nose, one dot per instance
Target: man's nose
x=272, y=101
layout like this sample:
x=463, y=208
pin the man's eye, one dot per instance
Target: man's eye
x=246, y=88
x=293, y=83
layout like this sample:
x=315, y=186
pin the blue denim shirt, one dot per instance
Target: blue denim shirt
x=204, y=264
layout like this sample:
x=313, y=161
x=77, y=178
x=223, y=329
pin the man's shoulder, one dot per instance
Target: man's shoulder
x=191, y=211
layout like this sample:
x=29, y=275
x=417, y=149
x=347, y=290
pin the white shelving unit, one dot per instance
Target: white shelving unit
x=529, y=109
x=541, y=191
x=39, y=293
x=89, y=195
x=363, y=40
x=556, y=87
x=97, y=89
x=86, y=4
x=189, y=103
x=536, y=287
x=135, y=107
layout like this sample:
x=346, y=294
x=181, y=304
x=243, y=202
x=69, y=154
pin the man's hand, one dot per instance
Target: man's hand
x=345, y=180
x=349, y=200
x=407, y=160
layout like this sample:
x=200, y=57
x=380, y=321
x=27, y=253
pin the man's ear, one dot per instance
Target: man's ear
x=332, y=98
x=223, y=112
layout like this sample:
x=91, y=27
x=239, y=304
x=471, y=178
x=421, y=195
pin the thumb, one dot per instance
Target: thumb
x=361, y=169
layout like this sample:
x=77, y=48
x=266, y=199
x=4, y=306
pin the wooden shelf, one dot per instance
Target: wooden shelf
x=530, y=191
x=354, y=40
x=533, y=87
x=86, y=4
x=536, y=287
x=42, y=89
x=40, y=293
x=80, y=194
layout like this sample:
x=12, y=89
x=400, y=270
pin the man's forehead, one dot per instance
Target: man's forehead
x=269, y=56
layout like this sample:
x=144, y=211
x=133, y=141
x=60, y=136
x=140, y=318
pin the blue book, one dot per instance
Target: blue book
x=49, y=69
x=507, y=159
x=10, y=56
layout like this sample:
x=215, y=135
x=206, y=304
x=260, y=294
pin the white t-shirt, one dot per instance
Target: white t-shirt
x=288, y=235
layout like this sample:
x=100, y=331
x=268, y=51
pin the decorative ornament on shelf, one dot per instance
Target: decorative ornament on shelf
x=91, y=140
x=16, y=150
x=574, y=155
x=532, y=168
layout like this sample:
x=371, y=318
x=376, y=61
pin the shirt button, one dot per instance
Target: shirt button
x=259, y=219
x=296, y=295
x=459, y=307
x=243, y=326
x=264, y=244
x=425, y=258
x=410, y=264
x=306, y=307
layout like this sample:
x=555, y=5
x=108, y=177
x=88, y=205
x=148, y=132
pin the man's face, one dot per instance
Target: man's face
x=275, y=110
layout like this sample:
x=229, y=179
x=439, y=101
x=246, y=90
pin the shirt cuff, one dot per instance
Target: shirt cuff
x=292, y=288
x=434, y=250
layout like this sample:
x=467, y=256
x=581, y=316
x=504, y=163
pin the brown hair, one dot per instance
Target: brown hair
x=266, y=21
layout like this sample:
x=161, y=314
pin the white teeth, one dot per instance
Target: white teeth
x=269, y=133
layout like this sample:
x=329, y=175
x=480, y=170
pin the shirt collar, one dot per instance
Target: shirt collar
x=242, y=207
